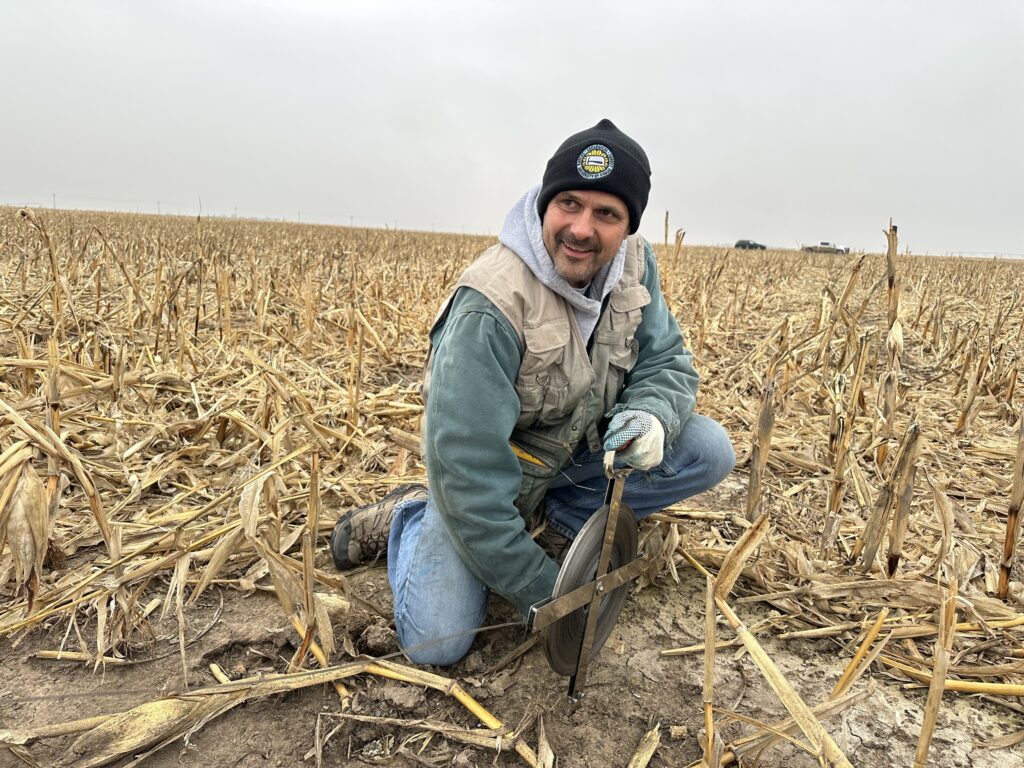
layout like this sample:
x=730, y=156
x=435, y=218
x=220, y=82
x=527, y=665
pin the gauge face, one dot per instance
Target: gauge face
x=563, y=638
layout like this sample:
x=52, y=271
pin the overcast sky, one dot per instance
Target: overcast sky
x=784, y=122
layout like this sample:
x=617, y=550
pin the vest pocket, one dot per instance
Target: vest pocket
x=627, y=300
x=621, y=359
x=540, y=458
x=627, y=313
x=623, y=356
x=542, y=384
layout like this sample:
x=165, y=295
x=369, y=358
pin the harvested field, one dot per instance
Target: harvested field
x=186, y=407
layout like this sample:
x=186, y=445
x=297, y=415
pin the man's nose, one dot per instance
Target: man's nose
x=582, y=227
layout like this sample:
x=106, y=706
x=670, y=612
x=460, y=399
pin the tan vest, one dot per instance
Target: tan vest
x=563, y=392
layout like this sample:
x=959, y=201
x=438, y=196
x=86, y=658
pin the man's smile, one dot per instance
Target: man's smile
x=576, y=251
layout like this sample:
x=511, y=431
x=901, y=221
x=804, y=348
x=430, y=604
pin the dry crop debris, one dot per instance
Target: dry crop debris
x=180, y=400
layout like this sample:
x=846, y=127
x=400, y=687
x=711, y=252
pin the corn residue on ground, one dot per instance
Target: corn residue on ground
x=186, y=406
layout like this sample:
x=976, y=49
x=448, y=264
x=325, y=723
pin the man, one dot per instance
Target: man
x=555, y=347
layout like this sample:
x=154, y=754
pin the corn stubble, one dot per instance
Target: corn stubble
x=186, y=406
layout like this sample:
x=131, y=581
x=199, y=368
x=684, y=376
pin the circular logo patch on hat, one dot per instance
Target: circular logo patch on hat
x=595, y=162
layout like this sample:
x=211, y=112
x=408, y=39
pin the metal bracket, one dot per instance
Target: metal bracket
x=613, y=498
x=548, y=611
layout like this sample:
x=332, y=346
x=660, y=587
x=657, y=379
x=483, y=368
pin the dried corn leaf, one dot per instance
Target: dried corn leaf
x=225, y=548
x=132, y=731
x=27, y=529
x=249, y=505
x=738, y=556
x=287, y=587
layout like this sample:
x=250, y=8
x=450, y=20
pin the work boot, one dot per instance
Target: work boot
x=362, y=534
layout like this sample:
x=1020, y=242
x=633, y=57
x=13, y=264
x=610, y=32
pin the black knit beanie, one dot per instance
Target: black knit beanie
x=603, y=159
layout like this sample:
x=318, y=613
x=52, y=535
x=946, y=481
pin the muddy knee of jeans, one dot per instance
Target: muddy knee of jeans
x=430, y=641
x=439, y=653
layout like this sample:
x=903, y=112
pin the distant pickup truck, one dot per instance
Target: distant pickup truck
x=824, y=247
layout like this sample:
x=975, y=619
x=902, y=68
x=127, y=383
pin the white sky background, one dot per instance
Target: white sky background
x=783, y=122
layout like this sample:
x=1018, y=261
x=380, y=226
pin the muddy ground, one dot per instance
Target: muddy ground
x=632, y=687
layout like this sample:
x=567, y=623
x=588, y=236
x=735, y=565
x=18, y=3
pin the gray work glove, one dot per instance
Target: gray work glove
x=638, y=437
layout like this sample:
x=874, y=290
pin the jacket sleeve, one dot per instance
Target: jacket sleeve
x=663, y=382
x=474, y=476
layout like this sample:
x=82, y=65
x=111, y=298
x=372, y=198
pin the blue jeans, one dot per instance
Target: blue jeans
x=439, y=604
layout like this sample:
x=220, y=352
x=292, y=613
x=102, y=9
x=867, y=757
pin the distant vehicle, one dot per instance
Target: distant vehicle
x=748, y=245
x=824, y=247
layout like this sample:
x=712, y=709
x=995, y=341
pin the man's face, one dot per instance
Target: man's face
x=583, y=231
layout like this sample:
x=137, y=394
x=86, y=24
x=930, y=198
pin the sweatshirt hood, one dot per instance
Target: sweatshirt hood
x=523, y=234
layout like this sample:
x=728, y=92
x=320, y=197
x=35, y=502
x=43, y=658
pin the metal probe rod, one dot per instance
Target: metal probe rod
x=613, y=498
